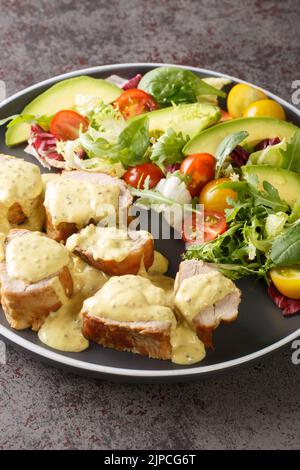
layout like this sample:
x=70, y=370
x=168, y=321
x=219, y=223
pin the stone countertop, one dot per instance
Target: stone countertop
x=251, y=408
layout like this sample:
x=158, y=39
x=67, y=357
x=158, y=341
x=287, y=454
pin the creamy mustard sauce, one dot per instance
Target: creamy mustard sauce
x=160, y=264
x=164, y=282
x=20, y=182
x=36, y=219
x=187, y=348
x=33, y=257
x=62, y=329
x=106, y=242
x=78, y=201
x=87, y=280
x=201, y=291
x=136, y=299
x=131, y=299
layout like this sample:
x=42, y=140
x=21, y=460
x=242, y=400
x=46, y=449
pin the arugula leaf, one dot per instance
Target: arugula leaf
x=291, y=155
x=170, y=85
x=226, y=147
x=168, y=148
x=286, y=248
x=267, y=198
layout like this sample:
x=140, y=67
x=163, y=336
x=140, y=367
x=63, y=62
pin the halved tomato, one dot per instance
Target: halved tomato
x=134, y=102
x=287, y=280
x=214, y=224
x=66, y=124
x=200, y=167
x=135, y=176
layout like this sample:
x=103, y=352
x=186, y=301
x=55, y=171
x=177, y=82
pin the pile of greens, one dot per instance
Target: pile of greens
x=263, y=232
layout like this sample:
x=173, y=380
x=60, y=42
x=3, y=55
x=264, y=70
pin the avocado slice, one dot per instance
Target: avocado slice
x=189, y=119
x=258, y=128
x=61, y=96
x=286, y=182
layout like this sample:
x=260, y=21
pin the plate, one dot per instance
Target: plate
x=259, y=329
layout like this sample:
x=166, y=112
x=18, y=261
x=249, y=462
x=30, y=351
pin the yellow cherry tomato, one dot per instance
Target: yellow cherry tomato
x=240, y=96
x=268, y=108
x=287, y=280
x=215, y=199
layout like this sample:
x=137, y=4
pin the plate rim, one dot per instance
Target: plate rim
x=60, y=358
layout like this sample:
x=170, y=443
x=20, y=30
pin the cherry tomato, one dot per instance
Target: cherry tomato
x=201, y=168
x=240, y=96
x=134, y=102
x=225, y=116
x=269, y=108
x=215, y=199
x=65, y=124
x=287, y=280
x=135, y=176
x=214, y=224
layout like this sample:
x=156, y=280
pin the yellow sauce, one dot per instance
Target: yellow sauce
x=136, y=299
x=78, y=201
x=201, y=291
x=106, y=242
x=187, y=348
x=20, y=182
x=36, y=219
x=160, y=264
x=87, y=280
x=62, y=329
x=166, y=283
x=131, y=299
x=33, y=257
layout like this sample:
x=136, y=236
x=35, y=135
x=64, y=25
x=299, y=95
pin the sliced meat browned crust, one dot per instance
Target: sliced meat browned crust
x=209, y=318
x=63, y=230
x=141, y=252
x=27, y=305
x=150, y=339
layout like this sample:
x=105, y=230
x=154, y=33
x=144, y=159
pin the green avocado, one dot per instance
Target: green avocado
x=286, y=182
x=61, y=96
x=258, y=128
x=189, y=119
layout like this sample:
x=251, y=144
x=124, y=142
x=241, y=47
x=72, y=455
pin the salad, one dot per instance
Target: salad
x=177, y=139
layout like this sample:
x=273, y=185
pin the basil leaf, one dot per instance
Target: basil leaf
x=292, y=153
x=170, y=85
x=168, y=148
x=286, y=248
x=226, y=147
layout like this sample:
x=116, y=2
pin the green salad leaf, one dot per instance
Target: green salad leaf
x=129, y=149
x=286, y=248
x=168, y=148
x=226, y=147
x=170, y=85
x=291, y=155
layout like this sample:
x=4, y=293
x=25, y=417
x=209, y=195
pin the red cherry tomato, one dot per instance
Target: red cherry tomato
x=65, y=124
x=214, y=224
x=134, y=102
x=201, y=168
x=135, y=176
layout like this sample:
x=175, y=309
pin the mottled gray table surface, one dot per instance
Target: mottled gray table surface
x=255, y=407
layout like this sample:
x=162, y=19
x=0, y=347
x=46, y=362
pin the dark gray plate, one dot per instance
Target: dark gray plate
x=259, y=329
